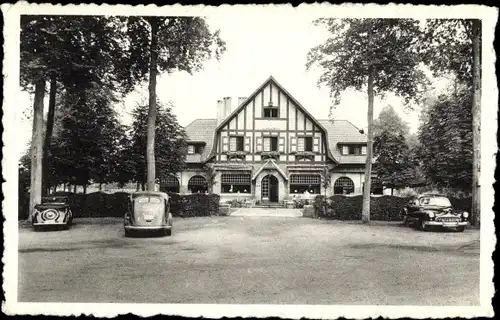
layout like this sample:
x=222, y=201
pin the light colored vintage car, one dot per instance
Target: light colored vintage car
x=53, y=212
x=434, y=210
x=148, y=211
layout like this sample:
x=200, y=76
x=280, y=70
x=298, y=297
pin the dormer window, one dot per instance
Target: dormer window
x=271, y=111
x=353, y=150
x=195, y=149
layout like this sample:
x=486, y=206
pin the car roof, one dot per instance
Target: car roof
x=149, y=193
x=432, y=195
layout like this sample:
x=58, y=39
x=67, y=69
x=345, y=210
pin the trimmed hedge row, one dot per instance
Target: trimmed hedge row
x=99, y=204
x=384, y=208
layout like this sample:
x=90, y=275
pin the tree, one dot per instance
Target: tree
x=454, y=45
x=177, y=44
x=87, y=147
x=446, y=140
x=69, y=50
x=170, y=145
x=389, y=121
x=379, y=55
x=211, y=175
x=393, y=165
x=325, y=179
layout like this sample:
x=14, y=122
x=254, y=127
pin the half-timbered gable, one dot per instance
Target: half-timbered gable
x=268, y=147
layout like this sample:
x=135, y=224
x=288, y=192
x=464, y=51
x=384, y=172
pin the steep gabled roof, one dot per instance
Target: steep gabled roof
x=201, y=130
x=297, y=104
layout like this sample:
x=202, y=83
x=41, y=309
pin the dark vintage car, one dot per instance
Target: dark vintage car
x=433, y=210
x=54, y=211
x=148, y=211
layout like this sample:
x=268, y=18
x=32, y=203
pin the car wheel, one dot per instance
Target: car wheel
x=460, y=229
x=168, y=232
x=422, y=225
x=128, y=233
x=36, y=228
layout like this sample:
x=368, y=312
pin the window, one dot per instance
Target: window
x=236, y=144
x=343, y=185
x=353, y=150
x=195, y=149
x=169, y=184
x=302, y=183
x=197, y=184
x=271, y=112
x=235, y=183
x=270, y=143
x=305, y=144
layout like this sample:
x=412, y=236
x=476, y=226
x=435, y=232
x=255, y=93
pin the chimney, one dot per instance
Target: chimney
x=227, y=103
x=241, y=100
x=220, y=111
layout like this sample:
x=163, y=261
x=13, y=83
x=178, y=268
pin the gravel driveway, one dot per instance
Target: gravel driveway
x=265, y=260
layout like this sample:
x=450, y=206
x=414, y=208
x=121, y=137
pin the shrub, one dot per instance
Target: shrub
x=385, y=208
x=197, y=205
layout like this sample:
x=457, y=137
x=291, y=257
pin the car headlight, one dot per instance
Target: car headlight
x=430, y=214
x=465, y=214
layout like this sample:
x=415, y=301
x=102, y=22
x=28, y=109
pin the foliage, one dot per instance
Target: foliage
x=389, y=46
x=379, y=53
x=447, y=47
x=165, y=44
x=184, y=44
x=392, y=163
x=389, y=121
x=393, y=166
x=170, y=142
x=446, y=141
x=76, y=49
x=210, y=176
x=325, y=179
x=87, y=146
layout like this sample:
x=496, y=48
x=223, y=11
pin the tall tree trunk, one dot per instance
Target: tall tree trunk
x=476, y=122
x=49, y=130
x=84, y=188
x=74, y=188
x=100, y=186
x=150, y=148
x=369, y=151
x=37, y=147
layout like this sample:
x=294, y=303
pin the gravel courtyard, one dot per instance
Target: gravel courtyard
x=241, y=259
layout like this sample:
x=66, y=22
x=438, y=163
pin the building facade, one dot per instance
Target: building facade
x=270, y=148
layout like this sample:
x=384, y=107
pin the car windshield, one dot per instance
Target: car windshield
x=145, y=201
x=435, y=201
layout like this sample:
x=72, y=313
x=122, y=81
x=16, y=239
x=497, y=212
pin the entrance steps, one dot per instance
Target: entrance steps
x=269, y=205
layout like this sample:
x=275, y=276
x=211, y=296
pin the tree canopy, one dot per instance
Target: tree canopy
x=446, y=141
x=389, y=46
x=389, y=121
x=170, y=145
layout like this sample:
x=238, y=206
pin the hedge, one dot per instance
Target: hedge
x=99, y=204
x=384, y=208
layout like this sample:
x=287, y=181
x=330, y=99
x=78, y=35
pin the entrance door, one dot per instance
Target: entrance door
x=270, y=188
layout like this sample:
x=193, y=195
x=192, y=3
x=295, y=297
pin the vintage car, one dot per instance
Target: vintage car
x=148, y=211
x=433, y=210
x=54, y=211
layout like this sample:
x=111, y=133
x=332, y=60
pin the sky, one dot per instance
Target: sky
x=277, y=46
